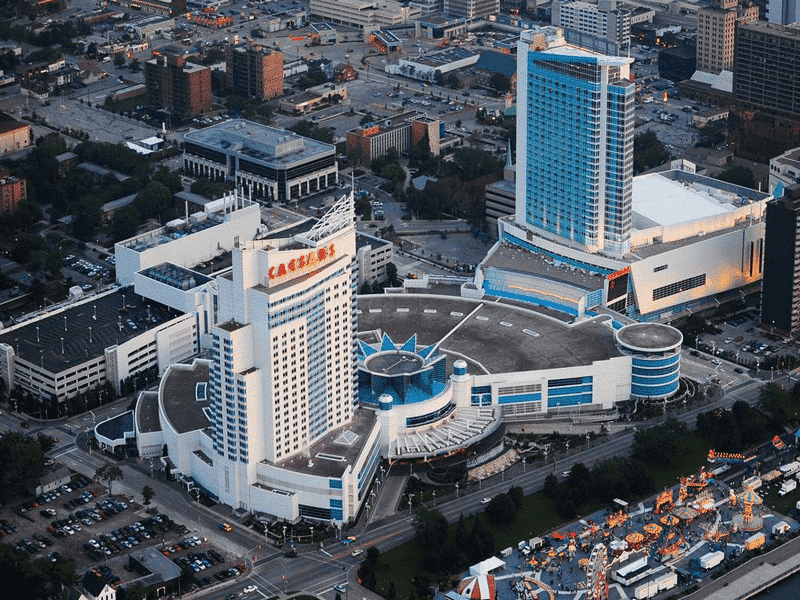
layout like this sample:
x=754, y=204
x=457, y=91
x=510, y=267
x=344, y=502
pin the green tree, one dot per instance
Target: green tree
x=658, y=445
x=171, y=179
x=431, y=529
x=500, y=83
x=739, y=175
x=473, y=163
x=312, y=130
x=147, y=494
x=373, y=556
x=21, y=464
x=108, y=473
x=119, y=60
x=391, y=274
x=154, y=201
x=132, y=592
x=125, y=223
x=648, y=152
x=502, y=510
x=46, y=442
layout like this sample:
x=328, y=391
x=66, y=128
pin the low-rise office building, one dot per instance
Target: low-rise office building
x=266, y=162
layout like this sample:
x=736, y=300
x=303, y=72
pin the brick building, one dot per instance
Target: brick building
x=13, y=190
x=765, y=120
x=156, y=7
x=344, y=72
x=180, y=87
x=254, y=71
x=13, y=134
x=716, y=33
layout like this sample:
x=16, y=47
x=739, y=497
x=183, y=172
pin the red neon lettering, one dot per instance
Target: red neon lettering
x=301, y=262
x=292, y=265
x=281, y=270
x=322, y=254
x=331, y=251
x=312, y=259
x=272, y=272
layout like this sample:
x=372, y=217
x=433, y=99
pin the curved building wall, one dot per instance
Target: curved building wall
x=655, y=351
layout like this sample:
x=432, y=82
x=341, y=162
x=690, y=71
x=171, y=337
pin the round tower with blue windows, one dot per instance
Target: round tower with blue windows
x=655, y=351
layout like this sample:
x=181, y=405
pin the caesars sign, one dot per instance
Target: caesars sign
x=308, y=261
x=618, y=285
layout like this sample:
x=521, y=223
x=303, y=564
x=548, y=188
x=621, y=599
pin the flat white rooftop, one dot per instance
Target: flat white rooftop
x=659, y=200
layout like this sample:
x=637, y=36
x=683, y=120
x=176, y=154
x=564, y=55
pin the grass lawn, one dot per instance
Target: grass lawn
x=773, y=501
x=536, y=516
x=692, y=454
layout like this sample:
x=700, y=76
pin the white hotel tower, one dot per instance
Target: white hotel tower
x=283, y=369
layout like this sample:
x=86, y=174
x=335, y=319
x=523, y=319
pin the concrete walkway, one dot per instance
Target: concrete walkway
x=754, y=576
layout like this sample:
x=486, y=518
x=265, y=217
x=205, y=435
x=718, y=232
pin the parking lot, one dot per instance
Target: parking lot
x=741, y=340
x=80, y=521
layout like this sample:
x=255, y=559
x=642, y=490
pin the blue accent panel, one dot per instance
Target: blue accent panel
x=336, y=503
x=536, y=396
x=654, y=372
x=459, y=370
x=365, y=349
x=481, y=389
x=335, y=484
x=554, y=383
x=387, y=343
x=431, y=417
x=594, y=298
x=411, y=344
x=648, y=363
x=481, y=400
x=489, y=289
x=655, y=392
x=567, y=391
x=426, y=351
x=337, y=514
x=648, y=381
x=569, y=400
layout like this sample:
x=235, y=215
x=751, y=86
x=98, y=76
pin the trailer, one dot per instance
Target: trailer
x=506, y=552
x=789, y=469
x=780, y=528
x=711, y=560
x=757, y=540
x=645, y=590
x=753, y=483
x=667, y=581
x=788, y=486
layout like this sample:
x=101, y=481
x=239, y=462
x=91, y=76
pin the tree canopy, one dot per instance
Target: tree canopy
x=21, y=464
x=648, y=152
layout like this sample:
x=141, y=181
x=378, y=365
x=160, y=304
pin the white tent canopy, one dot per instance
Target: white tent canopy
x=487, y=566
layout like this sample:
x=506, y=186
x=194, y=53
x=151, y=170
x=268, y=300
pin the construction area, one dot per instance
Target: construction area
x=707, y=522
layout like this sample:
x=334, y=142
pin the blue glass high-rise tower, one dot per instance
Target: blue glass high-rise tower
x=575, y=119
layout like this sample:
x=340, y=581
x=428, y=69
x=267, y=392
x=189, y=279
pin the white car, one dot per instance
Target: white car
x=250, y=589
x=357, y=552
x=485, y=500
